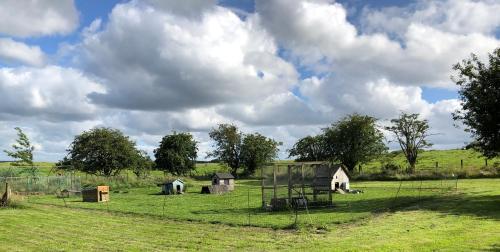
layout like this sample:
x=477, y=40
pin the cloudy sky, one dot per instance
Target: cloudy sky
x=284, y=68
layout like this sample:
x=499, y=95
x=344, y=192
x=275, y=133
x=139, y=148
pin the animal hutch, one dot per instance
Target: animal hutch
x=172, y=187
x=299, y=185
x=96, y=194
x=226, y=179
x=221, y=183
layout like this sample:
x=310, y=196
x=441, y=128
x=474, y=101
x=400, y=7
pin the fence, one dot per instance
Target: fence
x=42, y=184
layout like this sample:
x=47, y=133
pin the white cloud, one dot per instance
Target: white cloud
x=151, y=59
x=37, y=18
x=17, y=52
x=461, y=17
x=50, y=93
x=159, y=66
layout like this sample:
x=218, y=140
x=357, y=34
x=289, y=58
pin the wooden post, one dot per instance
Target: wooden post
x=289, y=184
x=461, y=164
x=4, y=201
x=302, y=176
x=330, y=200
x=275, y=186
x=262, y=187
x=436, y=167
x=486, y=162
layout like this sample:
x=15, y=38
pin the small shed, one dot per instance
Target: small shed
x=96, y=194
x=172, y=187
x=334, y=177
x=225, y=179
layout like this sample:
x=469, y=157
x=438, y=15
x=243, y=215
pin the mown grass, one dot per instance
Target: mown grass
x=243, y=206
x=467, y=219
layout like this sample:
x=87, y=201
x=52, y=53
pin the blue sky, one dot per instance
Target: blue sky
x=280, y=67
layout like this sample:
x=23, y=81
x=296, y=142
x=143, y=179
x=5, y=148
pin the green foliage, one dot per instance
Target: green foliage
x=176, y=154
x=256, y=150
x=353, y=140
x=411, y=134
x=142, y=164
x=102, y=151
x=479, y=91
x=228, y=140
x=23, y=153
x=309, y=148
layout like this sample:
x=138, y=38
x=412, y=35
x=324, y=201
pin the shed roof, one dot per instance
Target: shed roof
x=170, y=182
x=327, y=171
x=224, y=175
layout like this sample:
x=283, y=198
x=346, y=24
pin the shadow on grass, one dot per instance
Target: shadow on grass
x=482, y=206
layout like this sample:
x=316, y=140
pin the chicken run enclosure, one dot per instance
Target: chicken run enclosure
x=297, y=185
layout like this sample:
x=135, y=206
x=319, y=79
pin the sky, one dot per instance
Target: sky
x=284, y=68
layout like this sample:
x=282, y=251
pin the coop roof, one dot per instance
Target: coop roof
x=224, y=175
x=170, y=182
x=328, y=171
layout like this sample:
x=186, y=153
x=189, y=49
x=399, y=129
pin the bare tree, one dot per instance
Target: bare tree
x=412, y=135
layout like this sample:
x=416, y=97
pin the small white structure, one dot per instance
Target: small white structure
x=340, y=179
x=331, y=177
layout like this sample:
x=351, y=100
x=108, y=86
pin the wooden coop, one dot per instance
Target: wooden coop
x=221, y=183
x=172, y=187
x=97, y=194
x=226, y=179
x=301, y=185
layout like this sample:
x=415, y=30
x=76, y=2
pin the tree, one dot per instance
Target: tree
x=142, y=164
x=176, y=154
x=309, y=148
x=102, y=151
x=411, y=134
x=227, y=140
x=257, y=150
x=479, y=90
x=353, y=140
x=23, y=153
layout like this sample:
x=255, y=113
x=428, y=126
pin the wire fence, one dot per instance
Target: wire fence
x=42, y=184
x=243, y=206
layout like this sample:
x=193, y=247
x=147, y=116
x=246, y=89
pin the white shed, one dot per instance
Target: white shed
x=331, y=177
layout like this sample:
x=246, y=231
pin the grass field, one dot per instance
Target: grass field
x=440, y=218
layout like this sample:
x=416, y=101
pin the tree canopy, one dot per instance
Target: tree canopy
x=353, y=140
x=227, y=148
x=102, y=151
x=237, y=149
x=22, y=152
x=176, y=154
x=411, y=134
x=309, y=148
x=479, y=90
x=257, y=150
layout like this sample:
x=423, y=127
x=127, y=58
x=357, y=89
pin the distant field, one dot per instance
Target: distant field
x=447, y=159
x=439, y=219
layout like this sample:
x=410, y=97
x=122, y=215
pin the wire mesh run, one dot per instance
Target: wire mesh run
x=296, y=186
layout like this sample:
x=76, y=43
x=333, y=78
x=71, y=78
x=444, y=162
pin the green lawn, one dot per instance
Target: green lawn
x=237, y=207
x=448, y=220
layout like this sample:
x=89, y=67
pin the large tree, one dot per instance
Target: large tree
x=412, y=135
x=479, y=89
x=142, y=164
x=176, y=154
x=22, y=152
x=227, y=138
x=102, y=151
x=309, y=148
x=354, y=140
x=257, y=150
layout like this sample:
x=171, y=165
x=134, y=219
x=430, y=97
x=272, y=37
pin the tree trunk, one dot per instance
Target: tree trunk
x=4, y=201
